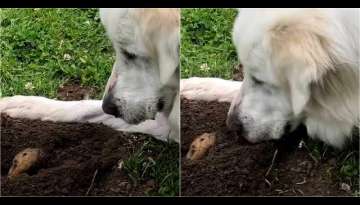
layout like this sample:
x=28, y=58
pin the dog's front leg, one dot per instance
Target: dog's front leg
x=209, y=89
x=34, y=107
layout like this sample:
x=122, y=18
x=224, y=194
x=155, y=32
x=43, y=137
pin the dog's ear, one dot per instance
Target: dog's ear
x=299, y=48
x=299, y=87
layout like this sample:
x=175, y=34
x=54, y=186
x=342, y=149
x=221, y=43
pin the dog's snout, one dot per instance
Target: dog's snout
x=235, y=125
x=232, y=122
x=130, y=111
x=109, y=107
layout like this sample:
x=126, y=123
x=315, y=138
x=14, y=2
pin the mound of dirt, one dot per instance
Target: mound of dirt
x=237, y=168
x=80, y=159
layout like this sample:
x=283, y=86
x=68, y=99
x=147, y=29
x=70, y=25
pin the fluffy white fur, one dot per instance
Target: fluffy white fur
x=152, y=35
x=300, y=66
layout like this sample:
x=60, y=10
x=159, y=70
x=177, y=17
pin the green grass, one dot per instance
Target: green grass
x=206, y=44
x=347, y=160
x=43, y=48
x=143, y=165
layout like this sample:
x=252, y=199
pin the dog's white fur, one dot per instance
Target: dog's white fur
x=152, y=35
x=300, y=66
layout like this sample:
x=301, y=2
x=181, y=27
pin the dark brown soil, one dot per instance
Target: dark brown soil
x=74, y=91
x=74, y=155
x=73, y=152
x=234, y=167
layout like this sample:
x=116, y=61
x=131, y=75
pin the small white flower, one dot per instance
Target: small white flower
x=204, y=67
x=67, y=56
x=29, y=86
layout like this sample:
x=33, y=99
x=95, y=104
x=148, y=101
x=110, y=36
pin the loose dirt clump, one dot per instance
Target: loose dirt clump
x=235, y=167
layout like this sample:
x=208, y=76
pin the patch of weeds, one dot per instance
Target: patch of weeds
x=158, y=161
x=347, y=161
x=206, y=43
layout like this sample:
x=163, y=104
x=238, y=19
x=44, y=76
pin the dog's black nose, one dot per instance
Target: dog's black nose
x=109, y=107
x=236, y=127
x=233, y=123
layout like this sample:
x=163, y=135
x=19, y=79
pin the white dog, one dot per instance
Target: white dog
x=142, y=93
x=300, y=66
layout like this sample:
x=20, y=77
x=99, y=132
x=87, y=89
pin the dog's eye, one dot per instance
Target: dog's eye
x=128, y=55
x=257, y=81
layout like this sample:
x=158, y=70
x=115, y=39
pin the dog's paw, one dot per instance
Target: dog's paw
x=209, y=89
x=36, y=107
x=31, y=107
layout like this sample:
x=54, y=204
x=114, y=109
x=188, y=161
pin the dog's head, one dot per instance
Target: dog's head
x=144, y=79
x=284, y=53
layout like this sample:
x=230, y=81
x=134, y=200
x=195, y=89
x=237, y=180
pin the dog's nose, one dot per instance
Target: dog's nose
x=235, y=125
x=109, y=107
x=232, y=122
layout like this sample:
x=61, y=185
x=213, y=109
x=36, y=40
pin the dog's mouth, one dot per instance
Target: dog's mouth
x=129, y=116
x=133, y=121
x=289, y=140
x=243, y=140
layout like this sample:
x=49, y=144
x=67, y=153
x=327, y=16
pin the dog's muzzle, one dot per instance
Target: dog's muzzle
x=130, y=112
x=233, y=123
